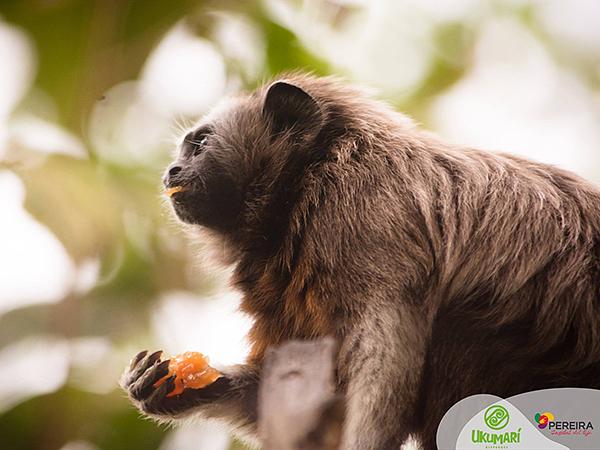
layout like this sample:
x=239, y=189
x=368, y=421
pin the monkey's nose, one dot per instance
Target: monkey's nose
x=172, y=172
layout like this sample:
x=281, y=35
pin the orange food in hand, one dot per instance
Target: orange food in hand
x=191, y=371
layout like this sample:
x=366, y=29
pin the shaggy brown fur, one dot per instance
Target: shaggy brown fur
x=443, y=271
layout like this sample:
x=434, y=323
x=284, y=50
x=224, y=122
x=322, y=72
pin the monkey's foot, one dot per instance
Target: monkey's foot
x=153, y=386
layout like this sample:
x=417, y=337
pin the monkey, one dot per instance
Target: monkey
x=441, y=271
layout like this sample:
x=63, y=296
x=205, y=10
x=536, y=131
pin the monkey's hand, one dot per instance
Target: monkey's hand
x=140, y=381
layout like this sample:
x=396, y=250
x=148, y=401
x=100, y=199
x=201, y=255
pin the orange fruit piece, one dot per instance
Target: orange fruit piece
x=191, y=371
x=169, y=192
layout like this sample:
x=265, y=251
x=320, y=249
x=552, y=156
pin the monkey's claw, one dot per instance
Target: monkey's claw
x=139, y=379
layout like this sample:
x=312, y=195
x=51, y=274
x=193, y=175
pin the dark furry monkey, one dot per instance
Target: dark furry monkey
x=442, y=271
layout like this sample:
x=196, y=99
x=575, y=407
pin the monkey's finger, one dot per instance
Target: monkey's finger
x=144, y=386
x=148, y=362
x=157, y=402
x=137, y=358
x=142, y=366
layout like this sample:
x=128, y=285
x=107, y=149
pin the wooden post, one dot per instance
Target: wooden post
x=298, y=407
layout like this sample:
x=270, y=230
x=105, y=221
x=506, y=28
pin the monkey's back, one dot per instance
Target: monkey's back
x=518, y=287
x=503, y=253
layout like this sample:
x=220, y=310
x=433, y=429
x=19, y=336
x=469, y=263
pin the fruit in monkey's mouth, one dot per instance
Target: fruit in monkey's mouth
x=191, y=371
x=169, y=192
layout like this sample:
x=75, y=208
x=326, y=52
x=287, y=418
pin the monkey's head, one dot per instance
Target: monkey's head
x=244, y=157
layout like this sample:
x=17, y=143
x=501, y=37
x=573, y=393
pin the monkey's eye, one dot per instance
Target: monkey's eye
x=198, y=144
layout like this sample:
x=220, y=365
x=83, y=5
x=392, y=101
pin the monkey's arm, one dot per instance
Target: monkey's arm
x=232, y=397
x=382, y=360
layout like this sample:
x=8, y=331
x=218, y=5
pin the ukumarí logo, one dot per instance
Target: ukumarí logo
x=544, y=419
x=496, y=418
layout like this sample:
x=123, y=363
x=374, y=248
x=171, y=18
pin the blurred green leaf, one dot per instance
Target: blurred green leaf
x=48, y=422
x=285, y=53
x=86, y=46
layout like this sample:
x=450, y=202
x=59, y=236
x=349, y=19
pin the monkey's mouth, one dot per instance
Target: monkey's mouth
x=171, y=191
x=185, y=202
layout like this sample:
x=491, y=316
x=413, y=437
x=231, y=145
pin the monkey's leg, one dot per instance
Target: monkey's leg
x=384, y=357
x=232, y=397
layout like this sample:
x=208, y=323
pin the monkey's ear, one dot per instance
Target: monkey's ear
x=291, y=108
